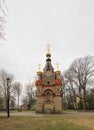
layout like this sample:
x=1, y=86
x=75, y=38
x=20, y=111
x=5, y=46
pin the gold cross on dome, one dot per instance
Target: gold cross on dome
x=57, y=64
x=48, y=47
x=39, y=66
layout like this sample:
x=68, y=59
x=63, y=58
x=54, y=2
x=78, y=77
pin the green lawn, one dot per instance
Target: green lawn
x=67, y=121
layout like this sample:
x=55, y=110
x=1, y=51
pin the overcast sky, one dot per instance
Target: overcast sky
x=68, y=25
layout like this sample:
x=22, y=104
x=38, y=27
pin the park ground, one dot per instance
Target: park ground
x=31, y=121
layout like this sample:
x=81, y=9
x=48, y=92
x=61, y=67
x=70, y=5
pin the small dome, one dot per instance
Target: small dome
x=48, y=55
x=58, y=72
x=39, y=72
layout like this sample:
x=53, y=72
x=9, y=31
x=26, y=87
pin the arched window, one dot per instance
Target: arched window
x=48, y=95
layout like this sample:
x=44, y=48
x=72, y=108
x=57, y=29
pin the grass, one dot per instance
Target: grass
x=70, y=121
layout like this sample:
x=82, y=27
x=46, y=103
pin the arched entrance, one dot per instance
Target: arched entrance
x=48, y=106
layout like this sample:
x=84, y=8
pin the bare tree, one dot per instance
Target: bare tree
x=2, y=99
x=18, y=88
x=5, y=83
x=30, y=94
x=12, y=102
x=70, y=87
x=80, y=75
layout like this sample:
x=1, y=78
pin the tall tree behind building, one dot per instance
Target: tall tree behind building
x=30, y=95
x=18, y=88
x=80, y=77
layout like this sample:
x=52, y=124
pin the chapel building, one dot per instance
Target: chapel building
x=48, y=86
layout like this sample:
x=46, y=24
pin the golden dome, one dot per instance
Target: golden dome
x=58, y=72
x=39, y=72
x=48, y=54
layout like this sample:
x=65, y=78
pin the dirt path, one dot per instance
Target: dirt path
x=33, y=114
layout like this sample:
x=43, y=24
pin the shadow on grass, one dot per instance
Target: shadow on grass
x=3, y=117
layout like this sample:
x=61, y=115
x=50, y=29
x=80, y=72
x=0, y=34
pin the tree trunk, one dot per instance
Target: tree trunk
x=84, y=99
x=18, y=101
x=8, y=98
x=81, y=103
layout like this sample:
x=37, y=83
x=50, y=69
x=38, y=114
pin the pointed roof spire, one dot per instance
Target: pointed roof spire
x=48, y=47
x=39, y=66
x=57, y=64
x=48, y=54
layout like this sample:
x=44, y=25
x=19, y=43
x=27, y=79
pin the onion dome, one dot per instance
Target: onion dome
x=57, y=71
x=39, y=72
x=48, y=59
x=48, y=54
